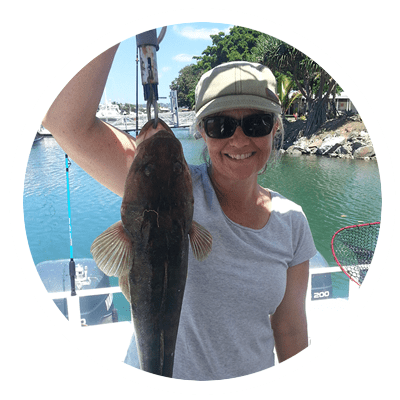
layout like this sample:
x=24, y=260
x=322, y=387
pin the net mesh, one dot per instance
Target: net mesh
x=353, y=248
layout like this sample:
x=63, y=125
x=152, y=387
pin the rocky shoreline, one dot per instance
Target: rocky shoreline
x=345, y=137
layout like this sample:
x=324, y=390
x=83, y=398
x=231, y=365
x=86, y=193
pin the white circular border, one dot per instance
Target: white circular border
x=131, y=29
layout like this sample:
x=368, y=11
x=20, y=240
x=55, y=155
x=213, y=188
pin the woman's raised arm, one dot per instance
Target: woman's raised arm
x=103, y=151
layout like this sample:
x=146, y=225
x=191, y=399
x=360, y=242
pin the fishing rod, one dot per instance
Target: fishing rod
x=137, y=90
x=72, y=270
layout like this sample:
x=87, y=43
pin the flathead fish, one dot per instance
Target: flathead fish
x=148, y=249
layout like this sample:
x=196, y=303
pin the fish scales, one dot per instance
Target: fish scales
x=148, y=248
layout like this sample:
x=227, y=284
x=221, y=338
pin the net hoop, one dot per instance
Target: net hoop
x=345, y=268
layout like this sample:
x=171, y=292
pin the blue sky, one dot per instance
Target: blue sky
x=180, y=44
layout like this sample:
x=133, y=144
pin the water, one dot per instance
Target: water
x=333, y=193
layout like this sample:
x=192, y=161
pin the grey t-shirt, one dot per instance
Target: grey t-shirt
x=225, y=329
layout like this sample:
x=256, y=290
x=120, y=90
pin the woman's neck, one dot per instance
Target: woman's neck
x=244, y=191
x=244, y=201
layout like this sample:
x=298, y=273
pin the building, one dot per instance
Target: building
x=342, y=101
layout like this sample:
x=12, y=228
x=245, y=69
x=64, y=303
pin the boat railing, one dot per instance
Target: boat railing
x=73, y=305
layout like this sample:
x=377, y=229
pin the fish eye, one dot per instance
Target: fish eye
x=148, y=169
x=177, y=167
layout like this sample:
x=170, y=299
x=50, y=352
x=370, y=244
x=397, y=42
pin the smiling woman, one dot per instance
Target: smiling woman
x=262, y=242
x=241, y=154
x=248, y=296
x=294, y=177
x=247, y=90
x=255, y=125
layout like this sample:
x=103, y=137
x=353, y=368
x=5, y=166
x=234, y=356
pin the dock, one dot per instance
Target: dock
x=127, y=123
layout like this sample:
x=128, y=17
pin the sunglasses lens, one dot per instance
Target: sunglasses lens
x=224, y=127
x=258, y=125
x=219, y=127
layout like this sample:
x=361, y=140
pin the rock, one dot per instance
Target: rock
x=365, y=151
x=330, y=144
x=341, y=138
x=294, y=150
x=355, y=146
x=316, y=144
x=352, y=136
x=342, y=150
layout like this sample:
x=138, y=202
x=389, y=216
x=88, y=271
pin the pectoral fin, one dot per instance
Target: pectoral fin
x=123, y=281
x=112, y=251
x=200, y=240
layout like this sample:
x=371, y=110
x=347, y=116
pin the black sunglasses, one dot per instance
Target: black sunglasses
x=221, y=127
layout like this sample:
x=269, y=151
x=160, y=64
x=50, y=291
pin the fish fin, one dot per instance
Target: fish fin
x=112, y=250
x=123, y=282
x=200, y=240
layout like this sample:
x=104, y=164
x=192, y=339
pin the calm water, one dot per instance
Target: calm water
x=333, y=193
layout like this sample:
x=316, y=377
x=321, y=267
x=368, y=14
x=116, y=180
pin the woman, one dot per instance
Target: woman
x=249, y=294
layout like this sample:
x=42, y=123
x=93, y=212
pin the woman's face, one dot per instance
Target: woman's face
x=239, y=157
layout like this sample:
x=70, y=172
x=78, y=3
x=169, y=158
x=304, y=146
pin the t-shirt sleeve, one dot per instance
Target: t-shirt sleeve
x=303, y=242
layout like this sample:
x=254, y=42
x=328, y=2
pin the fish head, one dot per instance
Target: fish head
x=159, y=162
x=159, y=178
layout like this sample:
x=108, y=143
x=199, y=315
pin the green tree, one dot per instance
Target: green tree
x=235, y=46
x=185, y=85
x=311, y=80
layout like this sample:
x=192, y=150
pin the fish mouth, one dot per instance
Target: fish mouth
x=242, y=156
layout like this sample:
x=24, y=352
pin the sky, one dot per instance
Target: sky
x=181, y=42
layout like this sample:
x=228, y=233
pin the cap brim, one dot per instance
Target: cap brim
x=233, y=102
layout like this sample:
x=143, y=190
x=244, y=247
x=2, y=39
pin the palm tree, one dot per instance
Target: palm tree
x=311, y=80
x=285, y=85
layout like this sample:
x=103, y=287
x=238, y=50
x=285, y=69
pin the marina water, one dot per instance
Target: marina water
x=333, y=193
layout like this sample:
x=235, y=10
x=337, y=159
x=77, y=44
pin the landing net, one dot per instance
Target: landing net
x=353, y=248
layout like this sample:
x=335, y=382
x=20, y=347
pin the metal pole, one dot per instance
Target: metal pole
x=176, y=104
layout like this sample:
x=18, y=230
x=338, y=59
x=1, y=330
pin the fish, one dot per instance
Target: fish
x=148, y=248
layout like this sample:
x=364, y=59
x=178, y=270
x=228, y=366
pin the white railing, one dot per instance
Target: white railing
x=73, y=306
